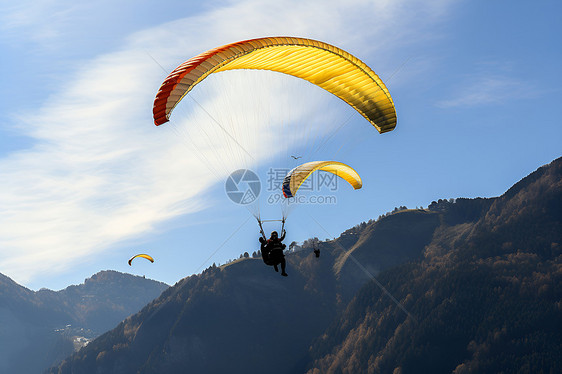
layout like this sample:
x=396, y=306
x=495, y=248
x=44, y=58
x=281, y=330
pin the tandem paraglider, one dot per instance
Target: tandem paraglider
x=323, y=65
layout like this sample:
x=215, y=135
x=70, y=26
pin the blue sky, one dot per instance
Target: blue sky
x=88, y=180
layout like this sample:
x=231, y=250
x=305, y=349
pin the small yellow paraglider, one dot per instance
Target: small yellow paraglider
x=149, y=258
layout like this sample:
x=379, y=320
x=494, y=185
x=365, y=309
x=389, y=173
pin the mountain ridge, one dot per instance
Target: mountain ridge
x=42, y=327
x=486, y=296
x=330, y=317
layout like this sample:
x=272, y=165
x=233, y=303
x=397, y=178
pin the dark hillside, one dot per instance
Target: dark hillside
x=486, y=297
x=244, y=317
x=388, y=242
x=104, y=299
x=38, y=329
x=479, y=277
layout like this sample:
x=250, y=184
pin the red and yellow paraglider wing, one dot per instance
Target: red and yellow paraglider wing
x=322, y=64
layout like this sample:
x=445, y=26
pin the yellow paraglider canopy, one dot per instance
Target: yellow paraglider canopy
x=149, y=258
x=322, y=64
x=298, y=175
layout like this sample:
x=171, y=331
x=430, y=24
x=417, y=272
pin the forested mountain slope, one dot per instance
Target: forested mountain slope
x=38, y=329
x=477, y=282
x=486, y=298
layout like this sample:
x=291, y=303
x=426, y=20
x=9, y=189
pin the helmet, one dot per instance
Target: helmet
x=274, y=234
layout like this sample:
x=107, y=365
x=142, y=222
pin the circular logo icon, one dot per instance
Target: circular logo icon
x=243, y=186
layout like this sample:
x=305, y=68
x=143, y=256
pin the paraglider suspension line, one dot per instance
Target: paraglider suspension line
x=260, y=221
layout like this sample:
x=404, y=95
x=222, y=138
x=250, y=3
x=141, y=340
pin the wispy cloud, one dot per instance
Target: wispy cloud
x=488, y=89
x=100, y=172
x=40, y=21
x=97, y=174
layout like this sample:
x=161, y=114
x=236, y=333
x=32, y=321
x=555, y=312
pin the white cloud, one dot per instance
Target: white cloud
x=40, y=21
x=487, y=90
x=100, y=172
